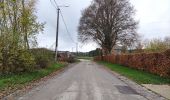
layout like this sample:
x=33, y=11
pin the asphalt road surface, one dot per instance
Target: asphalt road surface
x=85, y=81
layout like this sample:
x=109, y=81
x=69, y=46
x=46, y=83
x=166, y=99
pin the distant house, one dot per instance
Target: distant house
x=117, y=50
x=66, y=56
x=63, y=54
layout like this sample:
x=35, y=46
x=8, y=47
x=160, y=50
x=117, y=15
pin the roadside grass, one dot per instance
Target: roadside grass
x=15, y=81
x=85, y=57
x=138, y=76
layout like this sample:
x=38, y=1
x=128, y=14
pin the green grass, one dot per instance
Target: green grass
x=86, y=58
x=19, y=80
x=138, y=76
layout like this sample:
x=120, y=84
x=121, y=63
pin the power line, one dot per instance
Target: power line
x=56, y=4
x=51, y=47
x=57, y=29
x=66, y=27
x=57, y=7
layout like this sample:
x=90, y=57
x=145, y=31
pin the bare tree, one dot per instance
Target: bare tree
x=108, y=22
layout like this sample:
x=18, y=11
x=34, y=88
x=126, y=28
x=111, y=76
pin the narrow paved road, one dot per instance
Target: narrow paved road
x=84, y=81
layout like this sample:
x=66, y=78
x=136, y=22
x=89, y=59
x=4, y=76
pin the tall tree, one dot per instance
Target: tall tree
x=108, y=22
x=18, y=19
x=18, y=30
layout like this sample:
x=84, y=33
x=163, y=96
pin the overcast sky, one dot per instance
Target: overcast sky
x=153, y=15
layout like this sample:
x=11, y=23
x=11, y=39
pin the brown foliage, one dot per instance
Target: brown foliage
x=156, y=63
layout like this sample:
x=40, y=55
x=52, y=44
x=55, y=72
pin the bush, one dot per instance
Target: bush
x=24, y=61
x=71, y=59
x=13, y=61
x=41, y=61
x=167, y=53
x=43, y=57
x=156, y=63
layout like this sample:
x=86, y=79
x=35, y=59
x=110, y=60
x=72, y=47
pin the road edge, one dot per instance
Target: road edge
x=37, y=83
x=143, y=91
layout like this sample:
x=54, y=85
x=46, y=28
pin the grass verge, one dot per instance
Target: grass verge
x=138, y=76
x=14, y=81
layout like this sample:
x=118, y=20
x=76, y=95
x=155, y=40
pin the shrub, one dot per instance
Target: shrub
x=167, y=53
x=12, y=61
x=24, y=61
x=71, y=59
x=41, y=61
x=156, y=63
x=43, y=57
x=16, y=61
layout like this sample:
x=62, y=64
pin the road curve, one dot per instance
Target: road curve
x=85, y=81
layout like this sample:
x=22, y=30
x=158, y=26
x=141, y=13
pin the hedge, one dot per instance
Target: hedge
x=156, y=63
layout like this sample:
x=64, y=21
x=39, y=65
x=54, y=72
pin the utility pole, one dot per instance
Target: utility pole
x=57, y=30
